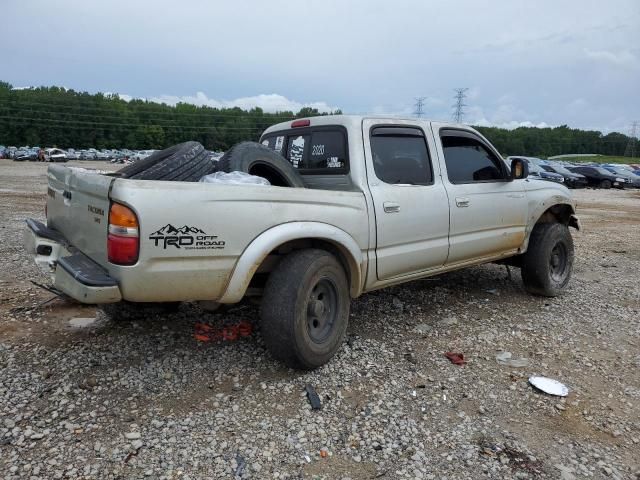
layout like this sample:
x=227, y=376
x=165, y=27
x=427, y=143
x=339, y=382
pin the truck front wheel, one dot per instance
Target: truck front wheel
x=305, y=308
x=547, y=264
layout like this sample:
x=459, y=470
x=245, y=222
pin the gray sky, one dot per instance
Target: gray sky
x=542, y=62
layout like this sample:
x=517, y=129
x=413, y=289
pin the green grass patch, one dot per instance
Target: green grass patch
x=600, y=159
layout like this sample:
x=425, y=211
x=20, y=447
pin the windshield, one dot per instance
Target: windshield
x=534, y=167
x=619, y=170
x=561, y=169
x=602, y=170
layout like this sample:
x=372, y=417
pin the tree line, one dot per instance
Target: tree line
x=54, y=116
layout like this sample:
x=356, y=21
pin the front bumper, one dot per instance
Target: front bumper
x=72, y=272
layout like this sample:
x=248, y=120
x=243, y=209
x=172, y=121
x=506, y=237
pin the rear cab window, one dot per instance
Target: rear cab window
x=321, y=150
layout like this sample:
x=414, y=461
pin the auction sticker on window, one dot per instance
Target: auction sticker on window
x=279, y=143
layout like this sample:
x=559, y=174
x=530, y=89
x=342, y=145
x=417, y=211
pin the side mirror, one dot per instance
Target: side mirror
x=519, y=169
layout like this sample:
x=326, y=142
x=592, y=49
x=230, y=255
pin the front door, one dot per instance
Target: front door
x=488, y=210
x=410, y=202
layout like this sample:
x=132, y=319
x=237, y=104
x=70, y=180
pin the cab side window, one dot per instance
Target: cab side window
x=400, y=156
x=469, y=161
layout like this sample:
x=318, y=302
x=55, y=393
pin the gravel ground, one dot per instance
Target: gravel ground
x=144, y=399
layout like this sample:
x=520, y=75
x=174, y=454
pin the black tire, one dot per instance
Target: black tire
x=129, y=311
x=605, y=184
x=185, y=171
x=548, y=262
x=256, y=159
x=305, y=309
x=170, y=158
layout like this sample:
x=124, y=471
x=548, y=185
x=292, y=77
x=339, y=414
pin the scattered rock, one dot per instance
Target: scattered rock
x=504, y=358
x=137, y=444
x=82, y=322
x=422, y=329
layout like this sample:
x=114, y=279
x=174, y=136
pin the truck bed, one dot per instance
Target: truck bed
x=191, y=234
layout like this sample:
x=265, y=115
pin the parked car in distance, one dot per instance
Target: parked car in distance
x=536, y=171
x=141, y=154
x=55, y=155
x=28, y=155
x=571, y=179
x=10, y=152
x=631, y=180
x=599, y=176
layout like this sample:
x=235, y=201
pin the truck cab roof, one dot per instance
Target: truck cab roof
x=355, y=120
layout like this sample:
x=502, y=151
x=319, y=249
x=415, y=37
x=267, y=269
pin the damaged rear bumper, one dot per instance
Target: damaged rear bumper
x=72, y=272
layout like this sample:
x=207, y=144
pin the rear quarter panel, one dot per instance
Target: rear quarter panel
x=192, y=234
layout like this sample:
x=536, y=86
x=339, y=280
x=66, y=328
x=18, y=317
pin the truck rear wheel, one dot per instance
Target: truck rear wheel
x=547, y=264
x=305, y=309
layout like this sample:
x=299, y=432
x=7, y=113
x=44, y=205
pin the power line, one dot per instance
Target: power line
x=92, y=124
x=458, y=113
x=630, y=150
x=206, y=111
x=419, y=110
x=129, y=117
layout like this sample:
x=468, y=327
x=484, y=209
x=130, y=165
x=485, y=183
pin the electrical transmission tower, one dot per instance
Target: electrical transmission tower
x=458, y=113
x=631, y=149
x=419, y=111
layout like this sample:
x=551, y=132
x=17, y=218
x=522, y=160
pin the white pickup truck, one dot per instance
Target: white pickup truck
x=385, y=201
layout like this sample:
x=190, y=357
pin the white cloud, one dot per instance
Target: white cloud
x=510, y=125
x=623, y=58
x=503, y=116
x=268, y=102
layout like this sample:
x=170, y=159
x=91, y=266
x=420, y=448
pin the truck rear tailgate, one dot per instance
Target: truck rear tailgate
x=78, y=208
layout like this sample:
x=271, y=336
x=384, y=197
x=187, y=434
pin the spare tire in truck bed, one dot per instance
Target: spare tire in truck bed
x=256, y=159
x=186, y=162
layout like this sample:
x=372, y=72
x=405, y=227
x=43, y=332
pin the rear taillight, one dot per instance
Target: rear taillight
x=123, y=239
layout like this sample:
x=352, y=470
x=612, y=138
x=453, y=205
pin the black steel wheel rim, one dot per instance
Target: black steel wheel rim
x=322, y=310
x=558, y=262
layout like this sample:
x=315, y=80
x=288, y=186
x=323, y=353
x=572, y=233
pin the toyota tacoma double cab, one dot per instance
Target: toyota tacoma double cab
x=378, y=202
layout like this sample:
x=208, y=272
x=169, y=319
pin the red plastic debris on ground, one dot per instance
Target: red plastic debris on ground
x=456, y=358
x=228, y=333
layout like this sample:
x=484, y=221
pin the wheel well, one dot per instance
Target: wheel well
x=273, y=258
x=560, y=213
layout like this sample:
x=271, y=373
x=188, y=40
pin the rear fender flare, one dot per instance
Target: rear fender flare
x=266, y=242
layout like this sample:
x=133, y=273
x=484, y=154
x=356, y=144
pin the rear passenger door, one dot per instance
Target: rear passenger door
x=410, y=202
x=488, y=210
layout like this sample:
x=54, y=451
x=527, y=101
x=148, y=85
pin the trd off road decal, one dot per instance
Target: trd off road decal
x=189, y=238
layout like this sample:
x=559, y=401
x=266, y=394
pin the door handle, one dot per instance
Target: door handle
x=391, y=207
x=462, y=202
